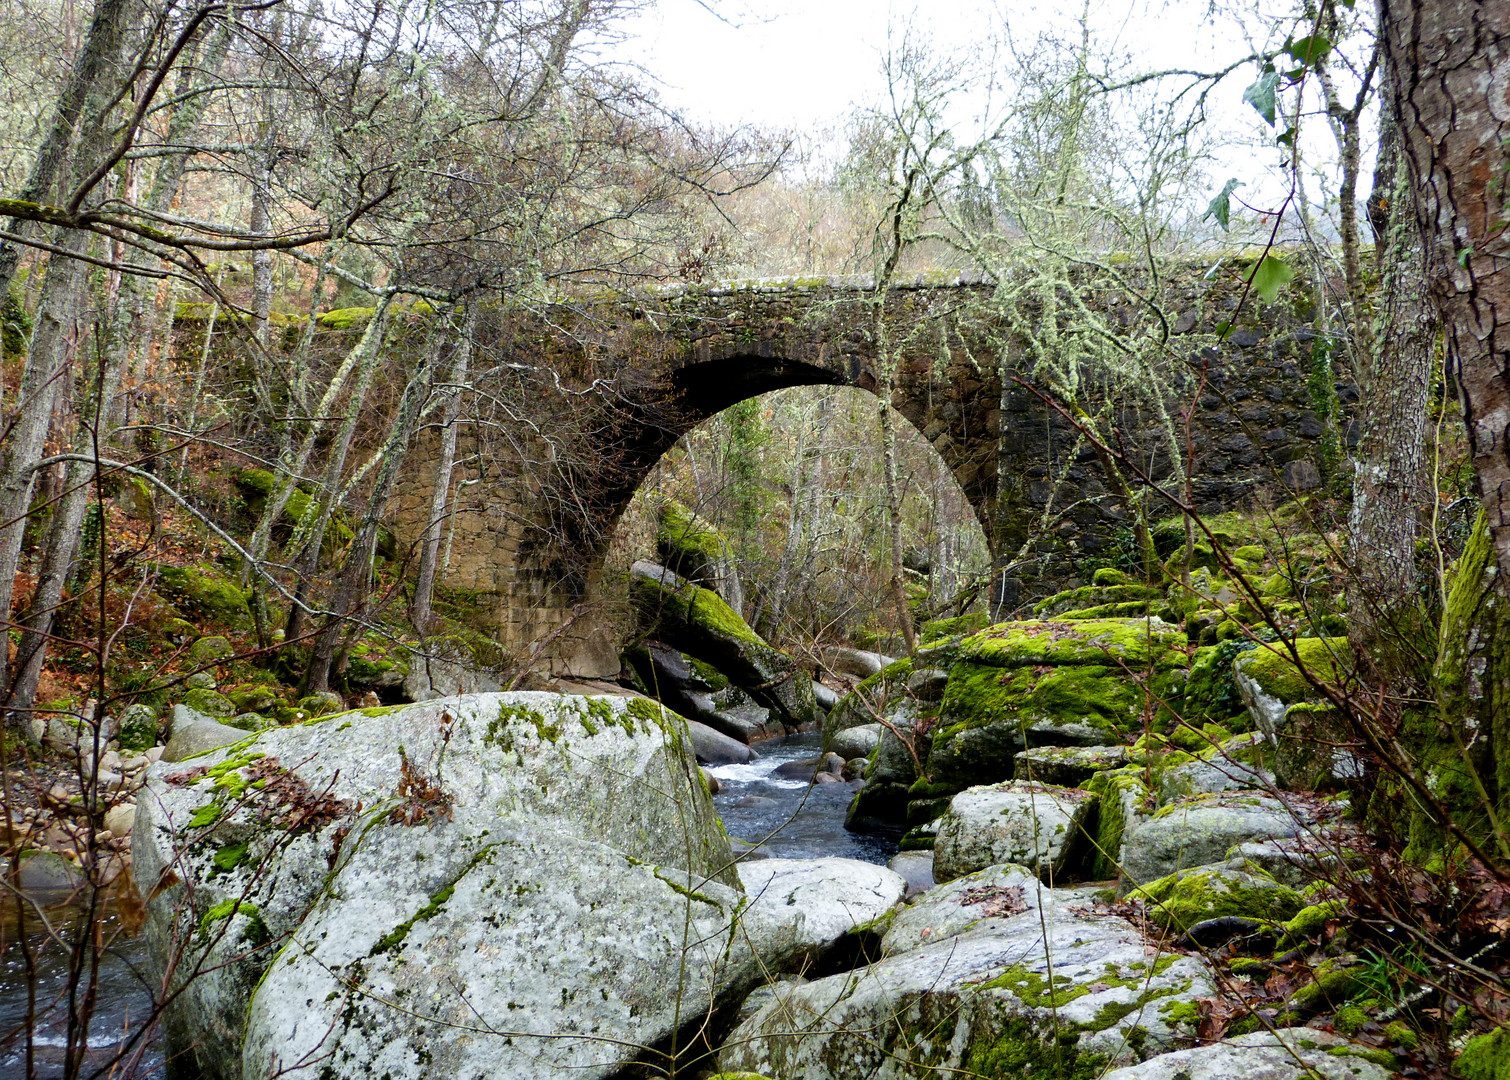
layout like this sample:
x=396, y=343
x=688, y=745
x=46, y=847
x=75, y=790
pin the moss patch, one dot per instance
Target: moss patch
x=1327, y=659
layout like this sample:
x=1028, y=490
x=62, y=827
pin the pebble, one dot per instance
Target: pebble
x=155, y=754
x=60, y=794
x=134, y=764
x=119, y=819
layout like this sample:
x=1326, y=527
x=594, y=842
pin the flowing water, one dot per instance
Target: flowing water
x=124, y=993
x=792, y=819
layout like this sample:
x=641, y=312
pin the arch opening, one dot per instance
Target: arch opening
x=792, y=479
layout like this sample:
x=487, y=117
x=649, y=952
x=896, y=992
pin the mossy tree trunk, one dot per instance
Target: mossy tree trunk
x=1463, y=750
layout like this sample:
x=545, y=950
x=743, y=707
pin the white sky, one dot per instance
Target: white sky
x=806, y=64
x=800, y=63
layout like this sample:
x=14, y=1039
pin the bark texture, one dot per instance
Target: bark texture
x=1448, y=69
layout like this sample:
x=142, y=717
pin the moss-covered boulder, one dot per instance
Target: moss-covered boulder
x=1270, y=680
x=206, y=593
x=1317, y=751
x=138, y=727
x=210, y=703
x=1067, y=766
x=690, y=545
x=1096, y=596
x=697, y=621
x=1187, y=897
x=1057, y=683
x=460, y=662
x=936, y=630
x=211, y=650
x=425, y=854
x=1485, y=1057
x=376, y=663
x=1124, y=804
x=1235, y=764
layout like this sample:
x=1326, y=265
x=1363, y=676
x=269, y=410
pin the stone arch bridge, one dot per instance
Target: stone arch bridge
x=680, y=355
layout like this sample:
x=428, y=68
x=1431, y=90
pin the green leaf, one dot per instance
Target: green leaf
x=1464, y=256
x=1310, y=51
x=1269, y=276
x=1221, y=206
x=1287, y=139
x=1261, y=95
x=1223, y=331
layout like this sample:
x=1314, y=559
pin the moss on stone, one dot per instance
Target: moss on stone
x=1211, y=692
x=395, y=937
x=204, y=593
x=1485, y=1057
x=1094, y=596
x=1117, y=788
x=255, y=933
x=1019, y=1049
x=941, y=629
x=346, y=318
x=1187, y=897
x=1311, y=921
x=1332, y=986
x=1327, y=659
x=210, y=703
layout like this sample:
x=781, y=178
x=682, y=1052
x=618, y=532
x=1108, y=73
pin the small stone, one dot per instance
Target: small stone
x=120, y=818
x=154, y=754
x=200, y=680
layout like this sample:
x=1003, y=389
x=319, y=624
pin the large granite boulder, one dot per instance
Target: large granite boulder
x=1238, y=889
x=697, y=621
x=833, y=896
x=986, y=976
x=1285, y=1054
x=408, y=856
x=1200, y=830
x=1034, y=825
x=1080, y=683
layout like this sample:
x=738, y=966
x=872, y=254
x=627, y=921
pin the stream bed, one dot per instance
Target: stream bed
x=792, y=819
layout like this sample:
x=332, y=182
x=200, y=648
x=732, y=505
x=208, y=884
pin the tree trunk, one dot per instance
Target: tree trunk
x=1447, y=64
x=352, y=584
x=90, y=66
x=361, y=357
x=1389, y=479
x=894, y=519
x=40, y=382
x=92, y=433
x=429, y=554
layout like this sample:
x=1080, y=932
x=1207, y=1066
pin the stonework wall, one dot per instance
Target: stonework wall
x=679, y=356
